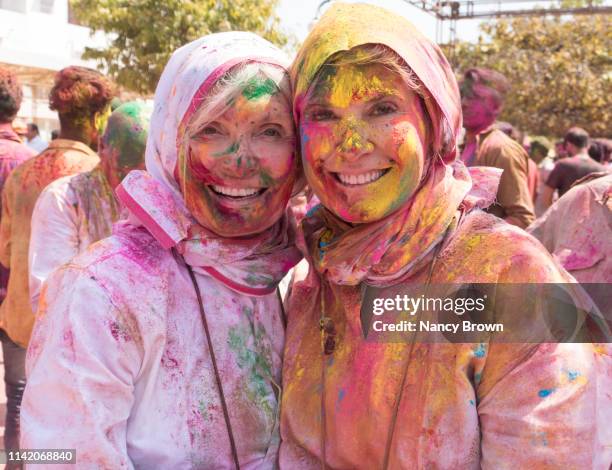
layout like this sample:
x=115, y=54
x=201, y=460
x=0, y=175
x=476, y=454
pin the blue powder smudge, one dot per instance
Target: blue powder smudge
x=312, y=210
x=545, y=392
x=572, y=375
x=477, y=377
x=341, y=395
x=472, y=402
x=322, y=246
x=480, y=351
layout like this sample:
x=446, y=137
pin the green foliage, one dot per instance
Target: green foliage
x=560, y=70
x=144, y=33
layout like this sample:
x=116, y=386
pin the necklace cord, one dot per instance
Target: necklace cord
x=228, y=423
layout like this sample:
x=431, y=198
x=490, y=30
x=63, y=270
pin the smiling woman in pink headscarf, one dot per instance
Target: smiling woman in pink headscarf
x=161, y=346
x=379, y=112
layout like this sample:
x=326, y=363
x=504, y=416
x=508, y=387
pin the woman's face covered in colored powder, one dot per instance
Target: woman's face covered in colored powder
x=242, y=164
x=364, y=141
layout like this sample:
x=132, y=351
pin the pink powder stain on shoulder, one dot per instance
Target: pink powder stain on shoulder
x=169, y=360
x=572, y=260
x=68, y=341
x=197, y=425
x=119, y=332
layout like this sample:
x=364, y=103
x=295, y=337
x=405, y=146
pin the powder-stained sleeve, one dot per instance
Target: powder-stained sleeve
x=551, y=409
x=544, y=405
x=54, y=238
x=81, y=373
x=513, y=196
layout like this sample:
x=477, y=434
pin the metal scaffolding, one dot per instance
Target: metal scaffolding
x=449, y=12
x=452, y=11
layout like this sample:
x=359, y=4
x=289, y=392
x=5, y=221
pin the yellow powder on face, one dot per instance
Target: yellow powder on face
x=353, y=140
x=399, y=184
x=353, y=84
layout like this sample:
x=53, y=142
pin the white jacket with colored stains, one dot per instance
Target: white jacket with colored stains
x=70, y=214
x=119, y=368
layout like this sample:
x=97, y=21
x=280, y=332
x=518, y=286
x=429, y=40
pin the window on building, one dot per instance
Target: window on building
x=43, y=6
x=14, y=5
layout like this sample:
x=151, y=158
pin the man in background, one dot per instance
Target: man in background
x=81, y=97
x=35, y=141
x=572, y=168
x=75, y=211
x=12, y=153
x=482, y=96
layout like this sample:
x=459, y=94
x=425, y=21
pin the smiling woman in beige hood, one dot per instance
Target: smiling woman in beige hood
x=378, y=110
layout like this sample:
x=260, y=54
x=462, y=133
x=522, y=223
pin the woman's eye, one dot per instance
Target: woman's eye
x=382, y=109
x=271, y=132
x=209, y=130
x=321, y=115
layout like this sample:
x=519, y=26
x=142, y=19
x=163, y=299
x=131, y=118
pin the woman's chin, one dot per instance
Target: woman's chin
x=241, y=229
x=355, y=214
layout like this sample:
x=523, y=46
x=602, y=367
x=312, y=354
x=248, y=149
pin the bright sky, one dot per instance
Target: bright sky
x=297, y=15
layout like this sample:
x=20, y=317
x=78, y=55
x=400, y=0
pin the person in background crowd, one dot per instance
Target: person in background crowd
x=81, y=97
x=600, y=150
x=378, y=111
x=511, y=131
x=191, y=275
x=35, y=141
x=560, y=150
x=482, y=95
x=12, y=153
x=571, y=169
x=75, y=211
x=606, y=145
x=539, y=150
x=577, y=229
x=533, y=176
x=54, y=134
x=21, y=129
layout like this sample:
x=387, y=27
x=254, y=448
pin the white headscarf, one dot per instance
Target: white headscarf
x=252, y=266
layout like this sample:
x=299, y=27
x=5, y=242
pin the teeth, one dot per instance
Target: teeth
x=235, y=192
x=363, y=178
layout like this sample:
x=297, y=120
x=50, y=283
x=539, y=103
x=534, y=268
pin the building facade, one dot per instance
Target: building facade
x=38, y=38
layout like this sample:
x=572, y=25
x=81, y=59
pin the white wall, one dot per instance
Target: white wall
x=36, y=36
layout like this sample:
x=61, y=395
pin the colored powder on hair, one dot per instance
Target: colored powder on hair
x=356, y=85
x=126, y=132
x=258, y=87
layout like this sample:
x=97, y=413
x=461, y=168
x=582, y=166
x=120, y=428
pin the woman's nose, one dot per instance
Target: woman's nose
x=354, y=140
x=243, y=162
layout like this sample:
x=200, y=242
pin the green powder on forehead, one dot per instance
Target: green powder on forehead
x=258, y=87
